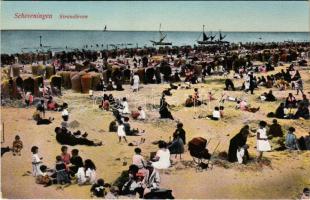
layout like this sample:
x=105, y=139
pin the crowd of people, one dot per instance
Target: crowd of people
x=143, y=175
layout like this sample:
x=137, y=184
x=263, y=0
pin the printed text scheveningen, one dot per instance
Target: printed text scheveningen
x=47, y=16
x=33, y=16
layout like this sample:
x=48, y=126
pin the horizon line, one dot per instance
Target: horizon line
x=305, y=31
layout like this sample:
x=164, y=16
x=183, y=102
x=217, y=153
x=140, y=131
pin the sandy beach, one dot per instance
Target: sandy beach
x=285, y=177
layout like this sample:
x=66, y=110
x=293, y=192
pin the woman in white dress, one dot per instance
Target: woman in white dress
x=121, y=132
x=262, y=140
x=125, y=106
x=162, y=157
x=136, y=81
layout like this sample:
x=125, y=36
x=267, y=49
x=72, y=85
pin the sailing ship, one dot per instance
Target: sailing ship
x=205, y=38
x=105, y=28
x=210, y=40
x=162, y=37
x=221, y=39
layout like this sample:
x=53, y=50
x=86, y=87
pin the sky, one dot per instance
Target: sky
x=173, y=15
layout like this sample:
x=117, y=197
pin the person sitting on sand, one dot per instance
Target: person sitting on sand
x=141, y=115
x=262, y=140
x=229, y=85
x=51, y=105
x=216, y=114
x=105, y=104
x=80, y=175
x=128, y=130
x=304, y=101
x=237, y=142
x=133, y=185
x=163, y=109
x=17, y=146
x=62, y=175
x=36, y=161
x=43, y=178
x=138, y=159
x=98, y=189
x=291, y=142
x=64, y=137
x=304, y=142
x=162, y=158
x=211, y=96
x=275, y=129
x=90, y=171
x=268, y=96
x=189, y=101
x=65, y=156
x=290, y=101
x=41, y=121
x=280, y=112
x=75, y=160
x=243, y=105
x=302, y=112
x=150, y=181
x=113, y=126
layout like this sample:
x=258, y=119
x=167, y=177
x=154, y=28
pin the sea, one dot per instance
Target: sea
x=17, y=41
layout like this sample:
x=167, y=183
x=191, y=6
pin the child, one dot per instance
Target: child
x=28, y=99
x=36, y=161
x=210, y=96
x=222, y=111
x=137, y=159
x=121, y=132
x=17, y=146
x=241, y=154
x=80, y=175
x=43, y=178
x=98, y=189
x=141, y=113
x=65, y=156
x=90, y=173
x=216, y=114
x=62, y=176
x=262, y=140
x=65, y=113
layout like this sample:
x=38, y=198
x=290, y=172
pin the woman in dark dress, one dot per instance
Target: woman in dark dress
x=163, y=109
x=237, y=141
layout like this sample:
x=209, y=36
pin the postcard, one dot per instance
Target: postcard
x=155, y=99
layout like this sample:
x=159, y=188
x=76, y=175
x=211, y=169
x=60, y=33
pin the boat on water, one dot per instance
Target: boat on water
x=210, y=39
x=221, y=39
x=205, y=38
x=162, y=37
